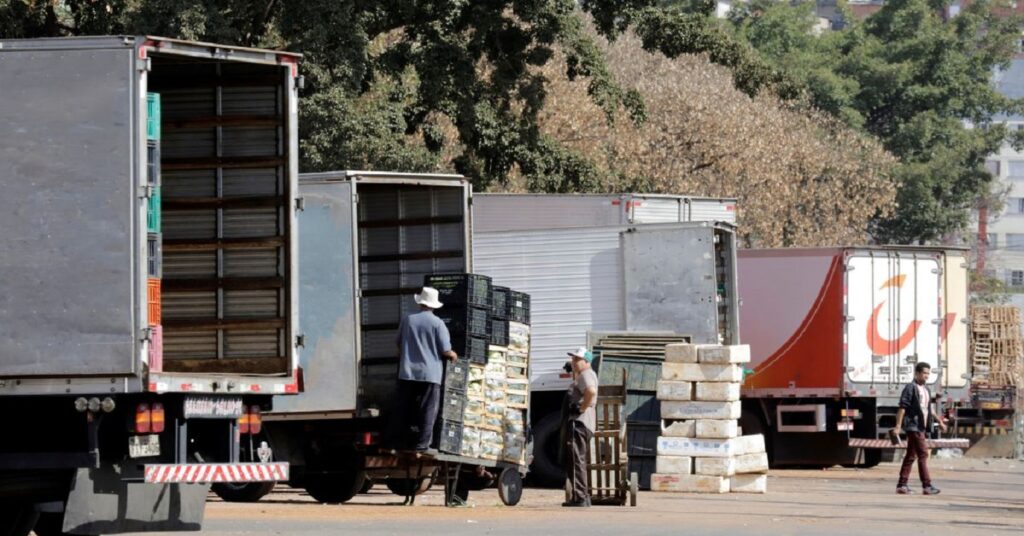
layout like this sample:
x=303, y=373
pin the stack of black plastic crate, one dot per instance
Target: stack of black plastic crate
x=500, y=298
x=466, y=312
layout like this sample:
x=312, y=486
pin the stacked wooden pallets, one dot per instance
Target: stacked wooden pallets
x=996, y=346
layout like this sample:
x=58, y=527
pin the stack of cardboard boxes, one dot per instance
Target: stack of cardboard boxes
x=700, y=449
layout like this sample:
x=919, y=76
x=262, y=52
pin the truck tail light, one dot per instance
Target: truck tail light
x=255, y=420
x=156, y=418
x=143, y=419
x=850, y=413
x=243, y=422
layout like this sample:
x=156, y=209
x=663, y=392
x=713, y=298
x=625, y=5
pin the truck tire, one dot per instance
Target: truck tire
x=545, y=470
x=335, y=488
x=243, y=493
x=17, y=520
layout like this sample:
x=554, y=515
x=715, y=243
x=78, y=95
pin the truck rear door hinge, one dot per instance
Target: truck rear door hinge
x=144, y=64
x=146, y=334
x=300, y=204
x=147, y=191
x=300, y=341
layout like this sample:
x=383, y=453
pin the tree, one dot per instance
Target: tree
x=803, y=179
x=920, y=83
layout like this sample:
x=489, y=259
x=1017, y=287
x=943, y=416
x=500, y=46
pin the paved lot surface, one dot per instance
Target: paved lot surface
x=978, y=497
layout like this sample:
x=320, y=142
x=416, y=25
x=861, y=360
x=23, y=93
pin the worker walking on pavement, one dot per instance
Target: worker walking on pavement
x=423, y=340
x=580, y=423
x=914, y=417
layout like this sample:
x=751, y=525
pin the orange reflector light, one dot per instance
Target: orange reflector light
x=853, y=413
x=157, y=418
x=255, y=420
x=143, y=419
x=243, y=423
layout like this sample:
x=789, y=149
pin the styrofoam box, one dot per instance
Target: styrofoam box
x=713, y=448
x=689, y=483
x=749, y=444
x=700, y=372
x=673, y=390
x=749, y=484
x=700, y=410
x=714, y=466
x=751, y=463
x=670, y=428
x=717, y=391
x=681, y=353
x=739, y=353
x=674, y=465
x=716, y=428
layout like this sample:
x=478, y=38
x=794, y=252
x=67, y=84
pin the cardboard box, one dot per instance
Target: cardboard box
x=673, y=390
x=674, y=465
x=739, y=353
x=689, y=483
x=700, y=410
x=717, y=391
x=701, y=372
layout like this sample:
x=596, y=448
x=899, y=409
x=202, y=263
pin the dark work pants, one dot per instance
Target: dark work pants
x=416, y=406
x=577, y=441
x=916, y=450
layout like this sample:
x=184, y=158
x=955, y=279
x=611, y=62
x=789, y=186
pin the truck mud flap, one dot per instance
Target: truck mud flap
x=203, y=473
x=931, y=443
x=101, y=502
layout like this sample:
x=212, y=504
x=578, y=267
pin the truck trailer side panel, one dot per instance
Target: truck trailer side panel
x=72, y=212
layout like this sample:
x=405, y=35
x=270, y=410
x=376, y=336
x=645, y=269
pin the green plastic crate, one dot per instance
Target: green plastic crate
x=153, y=116
x=153, y=211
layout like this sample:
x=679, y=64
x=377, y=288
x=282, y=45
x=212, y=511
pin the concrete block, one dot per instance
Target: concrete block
x=749, y=444
x=716, y=428
x=674, y=390
x=674, y=465
x=689, y=483
x=714, y=466
x=700, y=372
x=749, y=484
x=700, y=410
x=751, y=463
x=739, y=353
x=681, y=353
x=718, y=391
x=671, y=428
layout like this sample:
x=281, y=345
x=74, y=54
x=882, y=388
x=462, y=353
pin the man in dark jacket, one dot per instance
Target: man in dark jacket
x=913, y=417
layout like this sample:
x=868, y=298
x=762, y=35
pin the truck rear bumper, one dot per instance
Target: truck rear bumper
x=205, y=473
x=931, y=443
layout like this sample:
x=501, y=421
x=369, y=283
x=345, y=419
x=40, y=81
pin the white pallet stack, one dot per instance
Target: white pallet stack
x=700, y=449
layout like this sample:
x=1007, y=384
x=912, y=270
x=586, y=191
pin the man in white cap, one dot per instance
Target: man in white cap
x=423, y=339
x=581, y=422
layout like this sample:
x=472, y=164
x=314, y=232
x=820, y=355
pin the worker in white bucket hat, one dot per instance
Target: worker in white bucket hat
x=580, y=423
x=423, y=340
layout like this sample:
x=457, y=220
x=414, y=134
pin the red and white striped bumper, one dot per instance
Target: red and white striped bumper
x=931, y=443
x=204, y=473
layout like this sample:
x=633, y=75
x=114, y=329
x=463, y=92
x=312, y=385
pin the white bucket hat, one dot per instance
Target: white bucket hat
x=428, y=297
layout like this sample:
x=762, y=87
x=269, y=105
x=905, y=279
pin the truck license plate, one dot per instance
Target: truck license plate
x=212, y=407
x=143, y=446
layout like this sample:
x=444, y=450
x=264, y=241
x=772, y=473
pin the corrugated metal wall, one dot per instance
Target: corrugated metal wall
x=574, y=278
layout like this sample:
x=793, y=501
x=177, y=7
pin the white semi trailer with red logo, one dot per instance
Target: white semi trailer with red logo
x=835, y=334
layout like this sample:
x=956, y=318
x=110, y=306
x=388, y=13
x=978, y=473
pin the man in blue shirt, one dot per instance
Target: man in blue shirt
x=423, y=339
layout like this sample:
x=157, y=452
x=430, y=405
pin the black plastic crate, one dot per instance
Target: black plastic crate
x=519, y=307
x=500, y=301
x=461, y=289
x=463, y=321
x=499, y=332
x=153, y=162
x=453, y=404
x=154, y=255
x=456, y=373
x=450, y=437
x=472, y=348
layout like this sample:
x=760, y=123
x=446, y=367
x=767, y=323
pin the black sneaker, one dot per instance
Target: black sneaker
x=931, y=490
x=575, y=504
x=904, y=490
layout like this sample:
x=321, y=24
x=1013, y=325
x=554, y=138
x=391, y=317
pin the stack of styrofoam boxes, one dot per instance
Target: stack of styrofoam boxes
x=700, y=449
